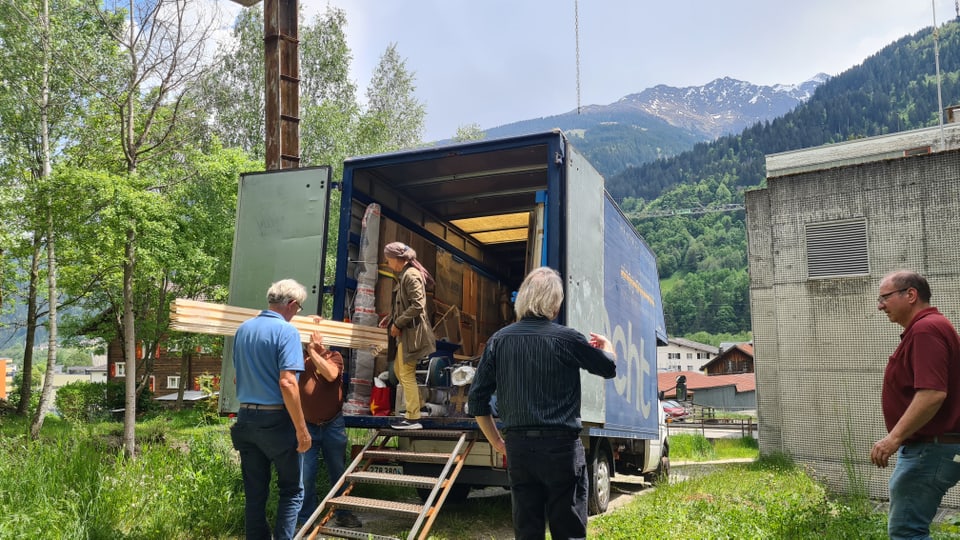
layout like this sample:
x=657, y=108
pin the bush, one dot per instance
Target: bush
x=81, y=401
x=13, y=393
x=117, y=398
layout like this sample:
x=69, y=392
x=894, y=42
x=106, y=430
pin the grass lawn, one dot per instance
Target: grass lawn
x=695, y=447
x=770, y=498
x=74, y=483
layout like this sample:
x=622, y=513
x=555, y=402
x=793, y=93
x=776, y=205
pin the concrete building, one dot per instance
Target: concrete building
x=684, y=355
x=830, y=224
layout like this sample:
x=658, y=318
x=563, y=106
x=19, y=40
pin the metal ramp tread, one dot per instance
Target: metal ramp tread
x=416, y=457
x=427, y=433
x=362, y=504
x=350, y=533
x=377, y=452
x=393, y=479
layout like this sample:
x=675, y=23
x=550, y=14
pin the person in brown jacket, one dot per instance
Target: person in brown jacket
x=408, y=325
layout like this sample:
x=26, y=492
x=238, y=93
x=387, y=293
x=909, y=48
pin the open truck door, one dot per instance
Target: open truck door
x=281, y=232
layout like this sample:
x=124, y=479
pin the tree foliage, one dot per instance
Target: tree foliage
x=146, y=151
x=392, y=105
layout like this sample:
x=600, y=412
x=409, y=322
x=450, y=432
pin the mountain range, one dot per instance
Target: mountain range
x=683, y=195
x=722, y=106
x=663, y=121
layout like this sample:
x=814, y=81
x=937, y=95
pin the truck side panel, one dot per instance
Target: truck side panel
x=634, y=323
x=612, y=287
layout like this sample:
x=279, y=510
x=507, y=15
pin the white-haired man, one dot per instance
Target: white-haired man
x=534, y=366
x=270, y=429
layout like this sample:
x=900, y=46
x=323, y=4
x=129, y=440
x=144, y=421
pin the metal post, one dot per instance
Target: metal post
x=936, y=55
x=282, y=84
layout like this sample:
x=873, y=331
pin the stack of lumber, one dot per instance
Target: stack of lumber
x=222, y=320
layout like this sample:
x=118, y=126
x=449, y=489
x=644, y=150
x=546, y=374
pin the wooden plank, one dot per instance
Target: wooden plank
x=449, y=278
x=468, y=333
x=223, y=320
x=471, y=291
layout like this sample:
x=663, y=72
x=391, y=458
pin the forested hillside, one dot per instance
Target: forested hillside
x=702, y=257
x=612, y=139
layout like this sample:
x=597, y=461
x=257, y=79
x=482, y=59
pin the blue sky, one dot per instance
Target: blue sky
x=493, y=62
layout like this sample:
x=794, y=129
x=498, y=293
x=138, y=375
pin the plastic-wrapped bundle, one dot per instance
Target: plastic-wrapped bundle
x=361, y=362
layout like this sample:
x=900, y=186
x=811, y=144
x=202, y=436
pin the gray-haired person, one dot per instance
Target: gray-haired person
x=270, y=429
x=533, y=365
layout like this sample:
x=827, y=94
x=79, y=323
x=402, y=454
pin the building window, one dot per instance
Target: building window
x=121, y=369
x=689, y=368
x=673, y=356
x=837, y=248
x=689, y=356
x=173, y=381
x=703, y=356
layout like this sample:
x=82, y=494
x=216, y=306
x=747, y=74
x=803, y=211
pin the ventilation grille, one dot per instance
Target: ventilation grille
x=837, y=248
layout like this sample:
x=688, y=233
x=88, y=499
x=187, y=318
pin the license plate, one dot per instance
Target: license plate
x=385, y=469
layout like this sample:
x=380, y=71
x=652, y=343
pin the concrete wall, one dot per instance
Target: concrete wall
x=821, y=345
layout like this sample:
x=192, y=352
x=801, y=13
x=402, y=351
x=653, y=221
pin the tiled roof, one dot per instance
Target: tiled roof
x=694, y=345
x=667, y=380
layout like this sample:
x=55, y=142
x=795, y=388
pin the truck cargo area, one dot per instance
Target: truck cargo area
x=476, y=218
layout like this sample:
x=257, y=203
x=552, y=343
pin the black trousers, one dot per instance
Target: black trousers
x=548, y=481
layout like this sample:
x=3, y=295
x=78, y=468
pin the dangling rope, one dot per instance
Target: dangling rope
x=576, y=28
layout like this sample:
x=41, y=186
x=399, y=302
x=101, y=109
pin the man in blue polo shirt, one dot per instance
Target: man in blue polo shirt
x=270, y=429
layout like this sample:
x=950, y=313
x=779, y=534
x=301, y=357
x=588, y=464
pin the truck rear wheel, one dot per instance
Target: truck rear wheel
x=600, y=471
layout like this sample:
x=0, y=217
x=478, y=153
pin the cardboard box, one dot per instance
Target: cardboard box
x=458, y=400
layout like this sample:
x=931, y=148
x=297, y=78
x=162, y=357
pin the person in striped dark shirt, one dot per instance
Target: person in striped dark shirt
x=533, y=366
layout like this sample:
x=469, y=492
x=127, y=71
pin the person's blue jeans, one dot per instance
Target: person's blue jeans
x=331, y=440
x=265, y=438
x=548, y=478
x=924, y=472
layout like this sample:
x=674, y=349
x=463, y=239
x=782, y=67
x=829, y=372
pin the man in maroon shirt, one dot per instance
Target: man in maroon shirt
x=321, y=391
x=921, y=406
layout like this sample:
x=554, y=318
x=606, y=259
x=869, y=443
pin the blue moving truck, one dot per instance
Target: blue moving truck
x=480, y=215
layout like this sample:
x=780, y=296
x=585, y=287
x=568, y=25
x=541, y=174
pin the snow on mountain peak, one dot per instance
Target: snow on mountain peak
x=722, y=106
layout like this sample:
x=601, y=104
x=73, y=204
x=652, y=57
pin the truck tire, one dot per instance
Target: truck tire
x=600, y=470
x=661, y=475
